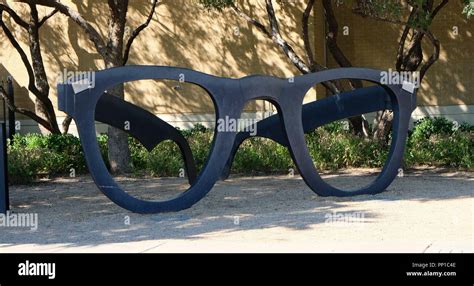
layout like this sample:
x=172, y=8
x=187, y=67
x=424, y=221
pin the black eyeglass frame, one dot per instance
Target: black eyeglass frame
x=230, y=97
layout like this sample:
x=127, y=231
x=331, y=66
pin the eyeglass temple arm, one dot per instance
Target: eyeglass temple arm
x=316, y=114
x=145, y=127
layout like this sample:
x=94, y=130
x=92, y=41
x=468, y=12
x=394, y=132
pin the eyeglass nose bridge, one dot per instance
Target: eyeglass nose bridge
x=257, y=87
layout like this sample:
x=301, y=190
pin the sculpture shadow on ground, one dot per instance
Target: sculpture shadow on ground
x=74, y=213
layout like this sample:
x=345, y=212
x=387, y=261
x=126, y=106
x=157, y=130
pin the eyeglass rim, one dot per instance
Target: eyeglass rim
x=201, y=79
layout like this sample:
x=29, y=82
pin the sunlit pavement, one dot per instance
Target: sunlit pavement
x=420, y=212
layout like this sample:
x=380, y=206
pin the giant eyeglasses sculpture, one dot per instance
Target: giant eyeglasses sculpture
x=87, y=104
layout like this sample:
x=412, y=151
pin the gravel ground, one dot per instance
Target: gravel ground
x=423, y=211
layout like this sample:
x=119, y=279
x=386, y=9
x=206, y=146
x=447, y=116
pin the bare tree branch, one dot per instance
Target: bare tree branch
x=331, y=37
x=14, y=15
x=66, y=123
x=287, y=49
x=24, y=111
x=137, y=31
x=274, y=36
x=45, y=18
x=434, y=41
x=434, y=57
x=278, y=39
x=307, y=42
x=438, y=8
x=23, y=56
x=37, y=79
x=251, y=20
x=91, y=32
x=332, y=34
x=403, y=39
x=275, y=29
x=413, y=58
x=41, y=80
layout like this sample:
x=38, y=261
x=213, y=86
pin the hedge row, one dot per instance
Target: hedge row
x=433, y=142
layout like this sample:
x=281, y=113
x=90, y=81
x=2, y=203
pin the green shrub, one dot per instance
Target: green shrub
x=34, y=155
x=24, y=165
x=439, y=142
x=261, y=155
x=427, y=126
x=434, y=142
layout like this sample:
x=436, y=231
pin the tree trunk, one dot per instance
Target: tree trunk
x=66, y=124
x=119, y=152
x=43, y=106
x=359, y=124
x=46, y=111
x=383, y=125
x=411, y=58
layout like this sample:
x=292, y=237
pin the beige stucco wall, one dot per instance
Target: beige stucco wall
x=184, y=34
x=372, y=43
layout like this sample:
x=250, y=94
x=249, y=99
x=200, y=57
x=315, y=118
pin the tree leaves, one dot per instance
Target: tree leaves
x=468, y=8
x=216, y=4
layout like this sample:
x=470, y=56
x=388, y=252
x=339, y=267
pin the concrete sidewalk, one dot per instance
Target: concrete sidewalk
x=420, y=212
